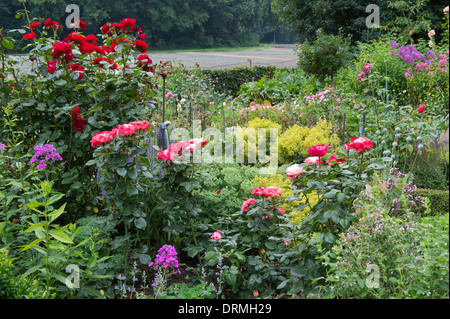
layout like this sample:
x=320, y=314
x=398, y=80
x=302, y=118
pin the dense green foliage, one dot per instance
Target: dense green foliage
x=171, y=24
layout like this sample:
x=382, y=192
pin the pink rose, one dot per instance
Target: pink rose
x=246, y=204
x=318, y=150
x=421, y=109
x=216, y=235
x=140, y=125
x=315, y=160
x=102, y=137
x=127, y=129
x=294, y=171
x=195, y=143
x=331, y=161
x=281, y=210
x=271, y=191
x=359, y=144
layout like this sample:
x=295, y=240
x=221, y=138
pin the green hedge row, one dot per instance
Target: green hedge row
x=438, y=199
x=229, y=81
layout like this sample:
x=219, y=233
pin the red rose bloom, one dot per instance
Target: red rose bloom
x=60, y=48
x=75, y=37
x=86, y=47
x=78, y=123
x=35, y=24
x=50, y=24
x=359, y=144
x=51, y=66
x=318, y=150
x=140, y=46
x=29, y=36
x=271, y=191
x=92, y=39
x=77, y=68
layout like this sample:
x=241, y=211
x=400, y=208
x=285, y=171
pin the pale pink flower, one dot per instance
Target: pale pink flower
x=216, y=235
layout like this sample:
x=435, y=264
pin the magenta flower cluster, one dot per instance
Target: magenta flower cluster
x=407, y=54
x=166, y=258
x=43, y=154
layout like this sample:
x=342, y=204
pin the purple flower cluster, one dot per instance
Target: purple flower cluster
x=407, y=54
x=2, y=147
x=166, y=258
x=43, y=154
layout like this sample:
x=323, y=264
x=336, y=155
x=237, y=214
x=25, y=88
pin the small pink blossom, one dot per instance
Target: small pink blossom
x=216, y=235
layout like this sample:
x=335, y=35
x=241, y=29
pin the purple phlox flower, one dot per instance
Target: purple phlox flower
x=45, y=153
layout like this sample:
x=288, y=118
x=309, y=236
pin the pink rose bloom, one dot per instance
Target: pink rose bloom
x=195, y=143
x=314, y=160
x=103, y=137
x=318, y=150
x=357, y=107
x=126, y=129
x=281, y=210
x=141, y=125
x=359, y=144
x=174, y=149
x=421, y=109
x=216, y=235
x=246, y=204
x=331, y=161
x=271, y=191
x=361, y=76
x=294, y=171
x=367, y=68
x=286, y=243
x=170, y=94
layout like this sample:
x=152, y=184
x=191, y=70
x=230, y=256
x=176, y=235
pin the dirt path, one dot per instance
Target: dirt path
x=280, y=56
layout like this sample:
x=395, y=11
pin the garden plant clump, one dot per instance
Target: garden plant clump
x=119, y=178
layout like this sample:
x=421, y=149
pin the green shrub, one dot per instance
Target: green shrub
x=439, y=201
x=229, y=81
x=16, y=286
x=389, y=257
x=325, y=56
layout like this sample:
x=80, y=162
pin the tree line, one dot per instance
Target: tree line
x=168, y=24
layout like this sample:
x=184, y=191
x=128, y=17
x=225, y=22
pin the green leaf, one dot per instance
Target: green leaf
x=61, y=236
x=240, y=256
x=57, y=213
x=330, y=194
x=32, y=244
x=330, y=238
x=121, y=171
x=230, y=278
x=140, y=223
x=298, y=271
x=7, y=43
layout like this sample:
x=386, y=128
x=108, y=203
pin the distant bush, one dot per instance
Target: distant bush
x=439, y=201
x=229, y=81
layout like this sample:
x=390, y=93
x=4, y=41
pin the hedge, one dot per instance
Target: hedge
x=229, y=81
x=438, y=199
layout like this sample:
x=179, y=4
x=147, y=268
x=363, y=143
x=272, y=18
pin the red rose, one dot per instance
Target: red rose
x=318, y=150
x=75, y=37
x=92, y=39
x=51, y=66
x=81, y=24
x=50, y=24
x=60, y=48
x=140, y=46
x=29, y=36
x=35, y=24
x=78, y=124
x=271, y=191
x=86, y=47
x=359, y=144
x=77, y=68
